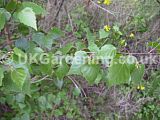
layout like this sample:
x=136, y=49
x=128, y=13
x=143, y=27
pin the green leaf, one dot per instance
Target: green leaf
x=90, y=37
x=9, y=85
x=62, y=70
x=22, y=44
x=2, y=21
x=90, y=72
x=93, y=47
x=39, y=38
x=98, y=79
x=31, y=47
x=23, y=29
x=76, y=91
x=155, y=45
x=46, y=68
x=6, y=14
x=107, y=51
x=66, y=48
x=54, y=33
x=1, y=3
x=116, y=29
x=36, y=8
x=37, y=50
x=42, y=101
x=103, y=33
x=25, y=116
x=20, y=98
x=131, y=59
x=131, y=62
x=27, y=87
x=80, y=45
x=19, y=76
x=10, y=99
x=137, y=74
x=1, y=75
x=50, y=98
x=27, y=17
x=118, y=74
x=155, y=84
x=19, y=56
x=58, y=112
x=42, y=40
x=77, y=62
x=19, y=52
x=11, y=5
x=59, y=83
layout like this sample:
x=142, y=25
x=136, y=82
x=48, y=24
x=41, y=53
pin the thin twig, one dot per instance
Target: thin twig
x=3, y=45
x=125, y=53
x=73, y=82
x=147, y=53
x=8, y=38
x=110, y=12
x=44, y=78
x=71, y=23
x=59, y=9
x=76, y=85
x=154, y=47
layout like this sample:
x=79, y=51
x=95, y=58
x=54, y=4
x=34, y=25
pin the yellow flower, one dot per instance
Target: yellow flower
x=107, y=2
x=123, y=42
x=131, y=35
x=137, y=65
x=107, y=28
x=99, y=2
x=140, y=87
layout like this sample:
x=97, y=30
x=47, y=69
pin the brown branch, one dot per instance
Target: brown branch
x=3, y=45
x=7, y=34
x=59, y=9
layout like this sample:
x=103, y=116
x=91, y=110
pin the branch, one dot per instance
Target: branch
x=76, y=85
x=110, y=12
x=59, y=9
x=34, y=80
x=158, y=2
x=154, y=47
x=70, y=20
x=3, y=45
x=8, y=39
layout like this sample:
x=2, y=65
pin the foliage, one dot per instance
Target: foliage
x=36, y=85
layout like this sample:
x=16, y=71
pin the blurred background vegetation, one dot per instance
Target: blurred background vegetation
x=81, y=20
